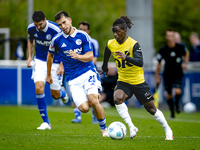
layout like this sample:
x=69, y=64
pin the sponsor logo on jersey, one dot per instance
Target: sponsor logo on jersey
x=78, y=50
x=44, y=43
x=64, y=45
x=139, y=50
x=78, y=42
x=48, y=36
x=178, y=60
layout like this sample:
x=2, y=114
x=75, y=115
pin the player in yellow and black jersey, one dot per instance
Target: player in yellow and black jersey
x=129, y=60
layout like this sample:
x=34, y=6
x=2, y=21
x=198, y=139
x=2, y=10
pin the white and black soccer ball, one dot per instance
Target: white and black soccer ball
x=189, y=107
x=117, y=130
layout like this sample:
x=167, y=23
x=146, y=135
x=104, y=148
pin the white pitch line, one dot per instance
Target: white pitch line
x=178, y=137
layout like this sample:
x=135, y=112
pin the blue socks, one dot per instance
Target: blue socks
x=77, y=113
x=62, y=93
x=42, y=106
x=102, y=124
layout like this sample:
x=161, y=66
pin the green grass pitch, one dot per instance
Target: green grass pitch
x=18, y=130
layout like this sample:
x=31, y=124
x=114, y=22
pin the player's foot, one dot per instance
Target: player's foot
x=133, y=131
x=104, y=133
x=44, y=126
x=168, y=134
x=94, y=120
x=66, y=98
x=76, y=120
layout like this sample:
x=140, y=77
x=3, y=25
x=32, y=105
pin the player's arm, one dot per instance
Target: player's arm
x=87, y=57
x=49, y=64
x=60, y=69
x=137, y=53
x=31, y=44
x=186, y=59
x=158, y=67
x=107, y=54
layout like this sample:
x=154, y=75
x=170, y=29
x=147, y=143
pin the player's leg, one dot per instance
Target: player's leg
x=158, y=115
x=145, y=98
x=39, y=80
x=77, y=114
x=168, y=88
x=119, y=97
x=98, y=111
x=177, y=88
x=58, y=91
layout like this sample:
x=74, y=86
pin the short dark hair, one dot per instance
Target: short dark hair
x=60, y=14
x=85, y=23
x=123, y=22
x=38, y=16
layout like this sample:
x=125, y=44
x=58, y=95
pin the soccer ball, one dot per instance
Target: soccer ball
x=117, y=130
x=189, y=107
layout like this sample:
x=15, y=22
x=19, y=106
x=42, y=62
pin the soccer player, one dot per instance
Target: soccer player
x=172, y=53
x=129, y=60
x=40, y=32
x=76, y=53
x=85, y=26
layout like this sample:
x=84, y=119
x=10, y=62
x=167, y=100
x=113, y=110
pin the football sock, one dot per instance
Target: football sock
x=62, y=93
x=123, y=112
x=42, y=106
x=161, y=119
x=177, y=99
x=102, y=124
x=171, y=106
x=77, y=113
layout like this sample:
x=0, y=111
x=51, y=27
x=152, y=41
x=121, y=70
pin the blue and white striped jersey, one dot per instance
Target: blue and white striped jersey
x=78, y=42
x=43, y=39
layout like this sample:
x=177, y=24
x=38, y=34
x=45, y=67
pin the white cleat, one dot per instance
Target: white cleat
x=169, y=134
x=44, y=126
x=104, y=133
x=66, y=98
x=133, y=132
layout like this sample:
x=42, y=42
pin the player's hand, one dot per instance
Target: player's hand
x=73, y=54
x=105, y=70
x=158, y=79
x=184, y=66
x=49, y=79
x=28, y=63
x=60, y=70
x=120, y=55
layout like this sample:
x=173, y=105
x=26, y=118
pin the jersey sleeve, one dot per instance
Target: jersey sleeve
x=87, y=46
x=159, y=55
x=52, y=47
x=138, y=58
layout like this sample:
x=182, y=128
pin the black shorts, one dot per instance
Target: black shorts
x=170, y=83
x=141, y=91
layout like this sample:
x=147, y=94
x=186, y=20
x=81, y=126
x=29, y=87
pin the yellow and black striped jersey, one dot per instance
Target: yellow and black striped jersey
x=127, y=71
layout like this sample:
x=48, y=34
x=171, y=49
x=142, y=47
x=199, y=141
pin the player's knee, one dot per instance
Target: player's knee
x=84, y=108
x=177, y=91
x=118, y=100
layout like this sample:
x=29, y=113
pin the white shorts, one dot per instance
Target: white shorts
x=39, y=73
x=84, y=85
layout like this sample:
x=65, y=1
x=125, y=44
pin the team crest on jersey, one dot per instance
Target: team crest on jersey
x=48, y=36
x=78, y=42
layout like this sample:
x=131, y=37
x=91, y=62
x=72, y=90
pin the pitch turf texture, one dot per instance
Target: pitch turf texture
x=18, y=130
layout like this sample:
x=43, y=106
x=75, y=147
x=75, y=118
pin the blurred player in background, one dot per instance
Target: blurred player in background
x=195, y=47
x=76, y=52
x=173, y=54
x=129, y=60
x=85, y=26
x=40, y=32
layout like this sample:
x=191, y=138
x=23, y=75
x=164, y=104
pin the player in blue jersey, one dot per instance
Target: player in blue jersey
x=76, y=52
x=40, y=32
x=85, y=26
